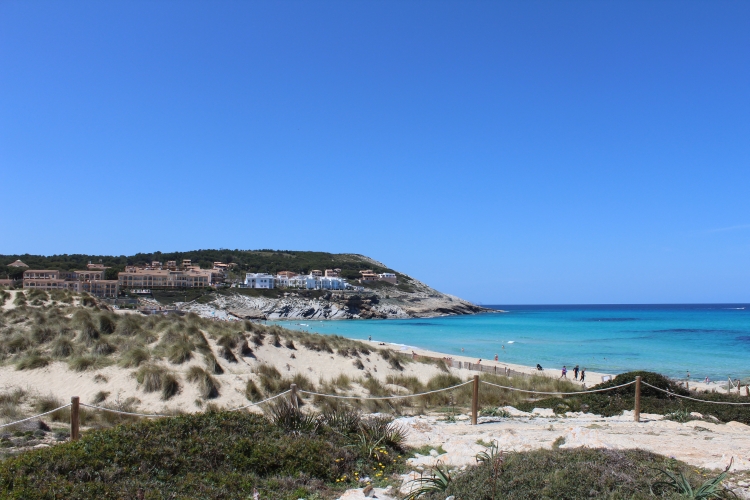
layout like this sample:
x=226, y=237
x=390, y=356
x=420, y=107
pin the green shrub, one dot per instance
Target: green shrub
x=206, y=455
x=561, y=474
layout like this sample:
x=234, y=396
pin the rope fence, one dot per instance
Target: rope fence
x=293, y=393
x=695, y=399
x=35, y=416
x=559, y=393
x=376, y=398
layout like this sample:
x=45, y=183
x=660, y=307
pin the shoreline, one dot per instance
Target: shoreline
x=592, y=377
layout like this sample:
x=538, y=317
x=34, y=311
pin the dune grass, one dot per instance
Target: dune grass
x=208, y=386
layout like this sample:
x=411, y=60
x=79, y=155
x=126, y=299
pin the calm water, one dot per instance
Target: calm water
x=709, y=340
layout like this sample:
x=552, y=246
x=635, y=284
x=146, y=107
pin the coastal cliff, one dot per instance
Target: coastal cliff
x=380, y=300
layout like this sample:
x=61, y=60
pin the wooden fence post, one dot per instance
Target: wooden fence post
x=475, y=400
x=637, y=410
x=74, y=418
x=293, y=396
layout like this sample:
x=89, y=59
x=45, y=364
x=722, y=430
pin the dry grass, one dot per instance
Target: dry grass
x=207, y=384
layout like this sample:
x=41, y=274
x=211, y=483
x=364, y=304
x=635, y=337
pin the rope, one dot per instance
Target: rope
x=383, y=397
x=35, y=416
x=124, y=412
x=159, y=415
x=558, y=393
x=694, y=399
x=261, y=402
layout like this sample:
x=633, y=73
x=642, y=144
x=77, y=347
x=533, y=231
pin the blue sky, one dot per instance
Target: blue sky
x=506, y=152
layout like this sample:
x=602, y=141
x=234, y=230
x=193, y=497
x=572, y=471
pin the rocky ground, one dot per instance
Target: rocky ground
x=386, y=301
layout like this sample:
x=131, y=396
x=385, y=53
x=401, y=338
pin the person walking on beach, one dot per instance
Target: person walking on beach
x=495, y=357
x=575, y=372
x=369, y=337
x=583, y=374
x=564, y=372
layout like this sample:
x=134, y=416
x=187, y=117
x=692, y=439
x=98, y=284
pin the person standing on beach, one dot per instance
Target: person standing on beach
x=583, y=374
x=495, y=357
x=688, y=375
x=575, y=372
x=369, y=337
x=564, y=372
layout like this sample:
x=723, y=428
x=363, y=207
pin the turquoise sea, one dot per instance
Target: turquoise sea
x=708, y=340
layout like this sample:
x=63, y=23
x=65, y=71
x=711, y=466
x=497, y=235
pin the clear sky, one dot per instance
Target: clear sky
x=506, y=152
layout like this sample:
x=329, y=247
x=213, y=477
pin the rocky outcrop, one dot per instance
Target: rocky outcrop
x=415, y=301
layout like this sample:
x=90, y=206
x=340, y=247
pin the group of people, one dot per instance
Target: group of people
x=578, y=373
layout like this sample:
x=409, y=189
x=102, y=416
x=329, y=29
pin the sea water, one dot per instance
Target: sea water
x=707, y=340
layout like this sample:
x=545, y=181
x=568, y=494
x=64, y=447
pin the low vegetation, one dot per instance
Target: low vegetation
x=567, y=474
x=212, y=455
x=614, y=402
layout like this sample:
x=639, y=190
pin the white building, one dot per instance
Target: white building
x=259, y=280
x=389, y=277
x=327, y=283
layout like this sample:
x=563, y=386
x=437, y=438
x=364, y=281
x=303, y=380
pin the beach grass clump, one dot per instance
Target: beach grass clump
x=10, y=402
x=212, y=364
x=62, y=348
x=102, y=348
x=150, y=377
x=107, y=324
x=45, y=403
x=20, y=299
x=100, y=397
x=128, y=326
x=180, y=350
x=87, y=332
x=134, y=356
x=208, y=386
x=252, y=393
x=342, y=382
x=42, y=334
x=87, y=362
x=32, y=360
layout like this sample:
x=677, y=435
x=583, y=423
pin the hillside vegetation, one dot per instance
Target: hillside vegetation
x=270, y=261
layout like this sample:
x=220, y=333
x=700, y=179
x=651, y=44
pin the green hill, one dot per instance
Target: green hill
x=271, y=261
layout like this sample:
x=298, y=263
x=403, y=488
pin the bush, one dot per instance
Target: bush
x=614, y=402
x=562, y=474
x=207, y=455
